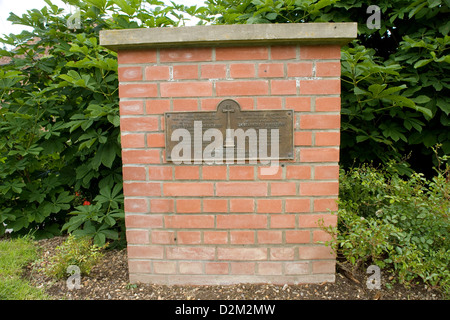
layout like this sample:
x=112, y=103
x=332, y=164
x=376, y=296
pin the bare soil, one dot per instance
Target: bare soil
x=109, y=280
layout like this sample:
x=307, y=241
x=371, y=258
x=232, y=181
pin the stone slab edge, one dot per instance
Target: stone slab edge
x=230, y=35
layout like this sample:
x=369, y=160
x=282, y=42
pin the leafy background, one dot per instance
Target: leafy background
x=59, y=118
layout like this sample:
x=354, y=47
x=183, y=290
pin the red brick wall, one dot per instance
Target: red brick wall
x=200, y=224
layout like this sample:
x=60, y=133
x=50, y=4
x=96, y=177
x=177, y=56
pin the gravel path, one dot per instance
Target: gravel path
x=109, y=280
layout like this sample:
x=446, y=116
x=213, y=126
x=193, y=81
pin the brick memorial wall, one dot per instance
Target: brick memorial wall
x=227, y=223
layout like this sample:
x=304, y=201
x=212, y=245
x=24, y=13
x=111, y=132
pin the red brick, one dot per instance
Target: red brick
x=138, y=90
x=187, y=172
x=316, y=220
x=297, y=236
x=160, y=173
x=141, y=156
x=136, y=205
x=210, y=104
x=213, y=71
x=298, y=103
x=283, y=52
x=324, y=267
x=326, y=172
x=189, y=205
x=143, y=221
x=328, y=69
x=327, y=104
x=242, y=88
x=270, y=205
x=146, y=252
x=270, y=268
x=298, y=172
x=185, y=72
x=241, y=189
x=242, y=205
x=315, y=253
x=215, y=237
x=174, y=189
x=283, y=87
x=139, y=266
x=185, y=54
x=163, y=237
x=319, y=188
x=130, y=74
x=283, y=189
x=215, y=205
x=296, y=268
x=282, y=221
x=324, y=205
x=328, y=139
x=185, y=105
x=133, y=173
x=139, y=124
x=271, y=70
x=242, y=237
x=320, y=86
x=164, y=267
x=141, y=189
x=270, y=237
x=214, y=173
x=189, y=222
x=317, y=121
x=302, y=138
x=157, y=106
x=241, y=221
x=282, y=254
x=297, y=205
x=242, y=70
x=320, y=236
x=153, y=73
x=186, y=89
x=269, y=103
x=242, y=53
x=242, y=173
x=189, y=237
x=156, y=140
x=161, y=205
x=242, y=267
x=320, y=52
x=191, y=267
x=299, y=69
x=134, y=107
x=216, y=268
x=187, y=253
x=271, y=174
x=136, y=56
x=133, y=140
x=246, y=254
x=137, y=236
x=319, y=155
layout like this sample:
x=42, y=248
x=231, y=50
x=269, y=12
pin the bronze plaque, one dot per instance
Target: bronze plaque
x=230, y=134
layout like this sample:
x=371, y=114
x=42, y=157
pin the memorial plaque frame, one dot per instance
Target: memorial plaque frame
x=257, y=129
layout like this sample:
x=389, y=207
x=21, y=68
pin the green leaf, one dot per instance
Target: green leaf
x=421, y=63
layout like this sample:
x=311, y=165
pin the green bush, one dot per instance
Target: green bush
x=80, y=252
x=396, y=223
x=395, y=80
x=59, y=120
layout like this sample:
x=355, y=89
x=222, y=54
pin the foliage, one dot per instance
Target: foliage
x=395, y=82
x=74, y=251
x=15, y=254
x=59, y=119
x=392, y=222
